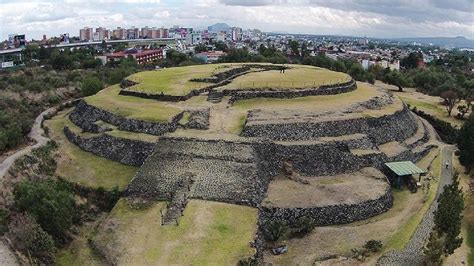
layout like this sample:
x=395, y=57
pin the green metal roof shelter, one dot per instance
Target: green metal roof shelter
x=405, y=168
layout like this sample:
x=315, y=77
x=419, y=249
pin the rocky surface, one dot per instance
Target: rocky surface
x=126, y=151
x=85, y=116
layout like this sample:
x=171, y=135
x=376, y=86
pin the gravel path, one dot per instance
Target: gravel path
x=7, y=257
x=413, y=252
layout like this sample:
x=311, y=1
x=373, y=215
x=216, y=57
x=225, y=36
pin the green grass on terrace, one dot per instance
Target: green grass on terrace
x=295, y=77
x=176, y=80
x=83, y=167
x=132, y=107
x=209, y=233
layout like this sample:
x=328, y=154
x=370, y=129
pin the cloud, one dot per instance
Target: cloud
x=381, y=18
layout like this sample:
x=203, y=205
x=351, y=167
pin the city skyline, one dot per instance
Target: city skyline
x=386, y=19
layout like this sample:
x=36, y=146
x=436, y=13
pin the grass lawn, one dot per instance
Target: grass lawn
x=83, y=167
x=295, y=77
x=132, y=107
x=175, y=80
x=436, y=110
x=209, y=233
x=363, y=92
x=78, y=252
x=401, y=237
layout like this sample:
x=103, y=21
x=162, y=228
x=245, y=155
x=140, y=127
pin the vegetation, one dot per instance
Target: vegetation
x=88, y=169
x=90, y=86
x=465, y=143
x=447, y=219
x=28, y=236
x=50, y=202
x=213, y=232
x=274, y=229
x=444, y=129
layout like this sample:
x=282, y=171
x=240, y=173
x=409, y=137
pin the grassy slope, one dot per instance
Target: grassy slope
x=436, y=110
x=363, y=92
x=400, y=238
x=300, y=77
x=208, y=233
x=132, y=107
x=83, y=167
x=175, y=80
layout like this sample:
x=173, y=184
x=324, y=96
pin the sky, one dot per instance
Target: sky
x=370, y=18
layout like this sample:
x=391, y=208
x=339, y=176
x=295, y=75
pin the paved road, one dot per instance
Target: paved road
x=413, y=252
x=7, y=257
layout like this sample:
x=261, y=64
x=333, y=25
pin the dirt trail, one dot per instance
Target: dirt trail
x=7, y=257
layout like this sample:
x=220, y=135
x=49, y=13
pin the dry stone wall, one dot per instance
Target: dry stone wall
x=85, y=116
x=242, y=94
x=126, y=151
x=329, y=215
x=397, y=126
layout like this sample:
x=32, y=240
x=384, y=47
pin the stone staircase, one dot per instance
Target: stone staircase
x=215, y=96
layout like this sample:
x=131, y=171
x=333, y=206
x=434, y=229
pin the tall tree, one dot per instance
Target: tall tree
x=450, y=98
x=466, y=143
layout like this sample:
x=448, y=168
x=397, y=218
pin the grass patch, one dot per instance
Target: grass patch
x=363, y=92
x=239, y=126
x=175, y=80
x=432, y=109
x=402, y=236
x=82, y=167
x=132, y=107
x=208, y=233
x=295, y=77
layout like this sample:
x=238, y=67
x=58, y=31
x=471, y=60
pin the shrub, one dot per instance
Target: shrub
x=90, y=86
x=304, y=225
x=28, y=236
x=274, y=229
x=373, y=245
x=50, y=202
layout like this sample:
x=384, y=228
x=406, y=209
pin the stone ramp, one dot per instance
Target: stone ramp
x=221, y=171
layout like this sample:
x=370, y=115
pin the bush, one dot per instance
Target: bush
x=28, y=236
x=373, y=245
x=274, y=229
x=91, y=85
x=50, y=202
x=304, y=225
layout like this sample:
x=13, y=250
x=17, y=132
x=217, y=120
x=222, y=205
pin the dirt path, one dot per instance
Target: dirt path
x=413, y=252
x=7, y=257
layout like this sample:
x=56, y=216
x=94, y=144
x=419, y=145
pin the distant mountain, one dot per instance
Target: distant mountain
x=219, y=27
x=450, y=42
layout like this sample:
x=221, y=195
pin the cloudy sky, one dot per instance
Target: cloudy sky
x=371, y=18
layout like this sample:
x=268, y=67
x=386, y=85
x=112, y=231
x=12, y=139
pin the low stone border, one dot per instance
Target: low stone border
x=397, y=126
x=126, y=151
x=85, y=116
x=330, y=215
x=243, y=94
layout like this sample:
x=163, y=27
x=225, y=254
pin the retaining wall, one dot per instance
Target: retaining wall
x=330, y=215
x=126, y=151
x=242, y=94
x=85, y=116
x=397, y=126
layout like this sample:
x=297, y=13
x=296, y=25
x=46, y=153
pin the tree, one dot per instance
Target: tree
x=50, y=202
x=434, y=249
x=450, y=98
x=396, y=78
x=28, y=236
x=91, y=85
x=466, y=143
x=462, y=111
x=448, y=216
x=200, y=48
x=294, y=47
x=411, y=61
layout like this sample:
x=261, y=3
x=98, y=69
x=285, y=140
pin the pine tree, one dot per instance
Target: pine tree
x=434, y=249
x=448, y=216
